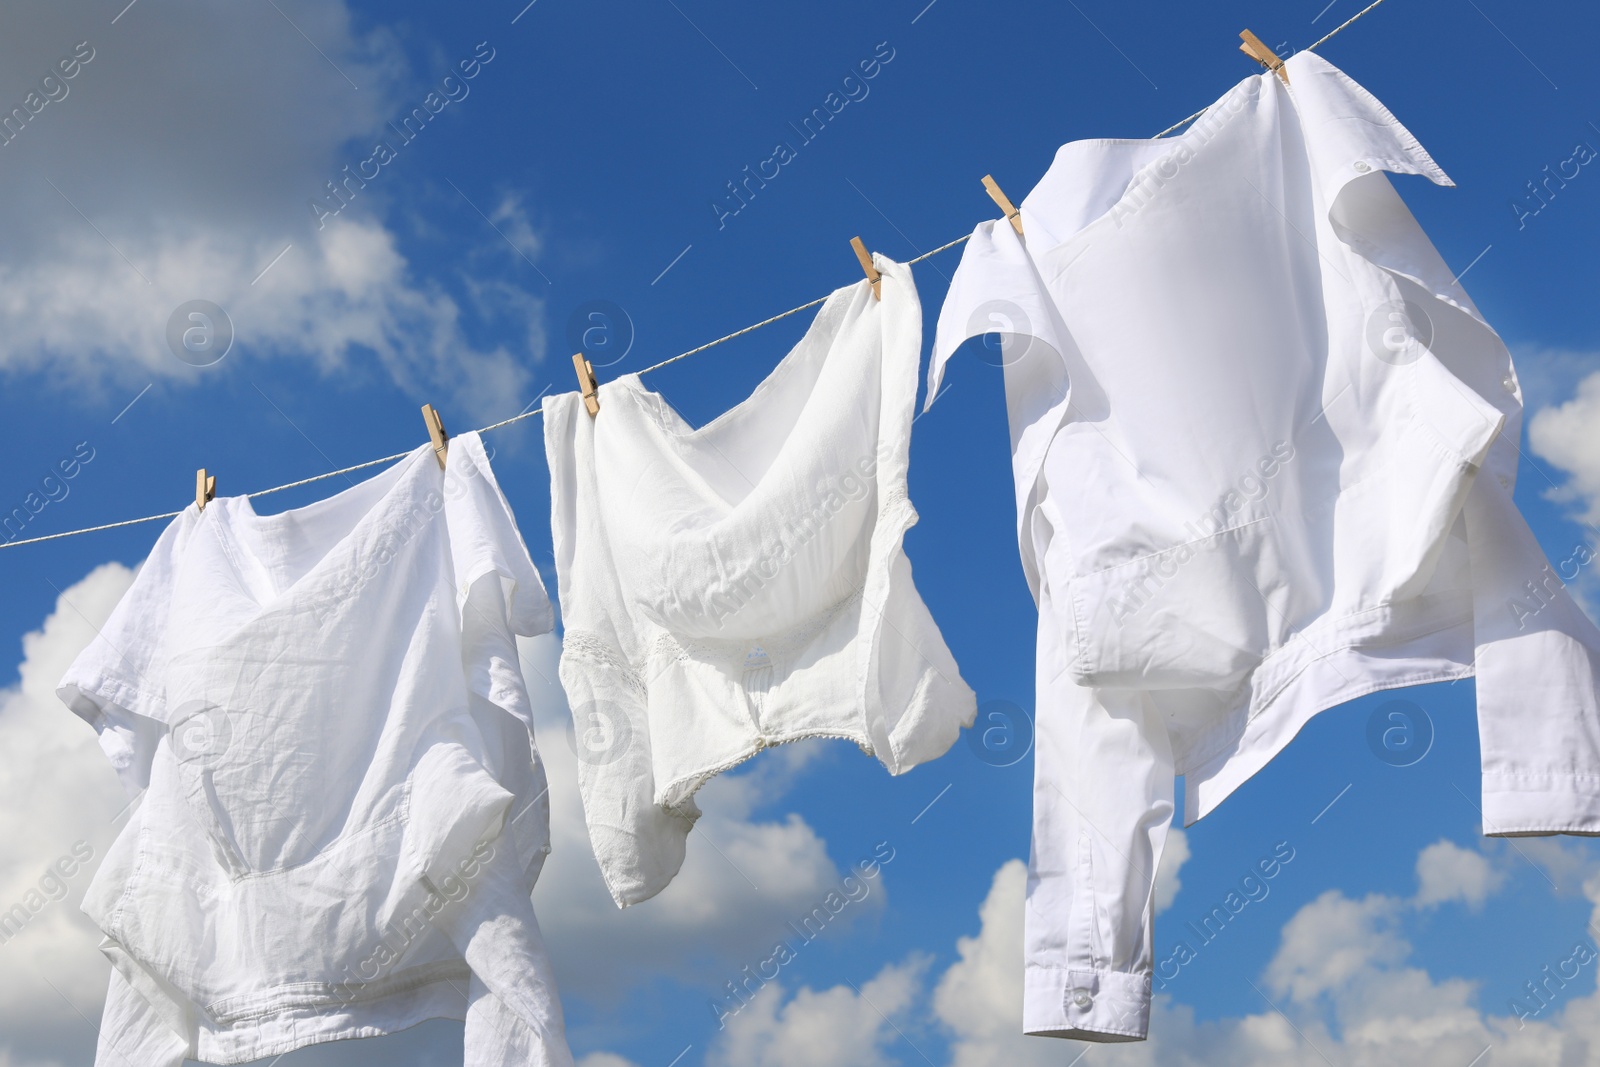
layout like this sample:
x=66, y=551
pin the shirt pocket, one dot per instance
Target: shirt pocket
x=1202, y=613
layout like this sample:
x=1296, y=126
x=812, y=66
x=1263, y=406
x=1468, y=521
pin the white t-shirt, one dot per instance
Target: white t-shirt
x=1263, y=445
x=732, y=587
x=344, y=810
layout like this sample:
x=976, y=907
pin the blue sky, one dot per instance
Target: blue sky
x=583, y=170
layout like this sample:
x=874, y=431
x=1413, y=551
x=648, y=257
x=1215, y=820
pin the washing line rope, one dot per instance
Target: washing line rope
x=654, y=366
x=1330, y=35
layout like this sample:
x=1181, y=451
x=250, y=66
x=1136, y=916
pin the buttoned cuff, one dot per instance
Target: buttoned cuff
x=1517, y=805
x=1086, y=1005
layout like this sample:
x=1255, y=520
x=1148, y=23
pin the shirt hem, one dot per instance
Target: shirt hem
x=682, y=789
x=1379, y=648
x=1537, y=805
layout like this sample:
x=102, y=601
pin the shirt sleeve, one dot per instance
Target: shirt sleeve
x=996, y=289
x=1102, y=807
x=638, y=843
x=500, y=596
x=117, y=684
x=484, y=538
x=1538, y=677
x=133, y=1030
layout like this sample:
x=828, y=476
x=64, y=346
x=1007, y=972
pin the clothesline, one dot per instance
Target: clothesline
x=654, y=366
x=1313, y=46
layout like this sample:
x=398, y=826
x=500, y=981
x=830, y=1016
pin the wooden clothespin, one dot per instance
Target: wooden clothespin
x=866, y=265
x=205, y=488
x=1014, y=216
x=436, y=434
x=1259, y=52
x=588, y=388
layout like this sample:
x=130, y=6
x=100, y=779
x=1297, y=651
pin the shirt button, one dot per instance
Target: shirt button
x=1505, y=483
x=1363, y=167
x=1509, y=383
x=1081, y=998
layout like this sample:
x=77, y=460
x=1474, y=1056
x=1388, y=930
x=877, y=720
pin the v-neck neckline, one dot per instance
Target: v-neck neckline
x=698, y=452
x=241, y=533
x=670, y=422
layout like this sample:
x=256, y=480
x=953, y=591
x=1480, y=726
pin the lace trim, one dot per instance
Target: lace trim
x=680, y=792
x=584, y=645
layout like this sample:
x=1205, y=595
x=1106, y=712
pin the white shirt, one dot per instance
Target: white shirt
x=343, y=807
x=740, y=585
x=1263, y=445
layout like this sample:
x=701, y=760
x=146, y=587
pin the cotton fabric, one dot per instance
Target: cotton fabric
x=741, y=585
x=1264, y=447
x=343, y=808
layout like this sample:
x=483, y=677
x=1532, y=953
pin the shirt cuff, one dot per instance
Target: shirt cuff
x=1086, y=1005
x=1516, y=805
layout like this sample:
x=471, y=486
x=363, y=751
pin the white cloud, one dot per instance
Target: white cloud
x=979, y=998
x=1173, y=857
x=180, y=165
x=58, y=800
x=1331, y=941
x=8, y=1060
x=340, y=298
x=841, y=1027
x=599, y=1059
x=1549, y=375
x=1568, y=435
x=1446, y=871
x=1342, y=977
x=1341, y=970
x=511, y=220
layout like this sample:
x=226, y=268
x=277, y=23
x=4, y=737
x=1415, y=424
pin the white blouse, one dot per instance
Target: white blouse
x=1263, y=445
x=740, y=585
x=344, y=810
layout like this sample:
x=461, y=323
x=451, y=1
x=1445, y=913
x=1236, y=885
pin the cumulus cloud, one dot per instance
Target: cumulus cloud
x=1173, y=857
x=979, y=998
x=59, y=801
x=8, y=1060
x=1568, y=435
x=843, y=1026
x=1343, y=968
x=1446, y=872
x=1341, y=988
x=1549, y=375
x=605, y=1059
x=1330, y=941
x=179, y=165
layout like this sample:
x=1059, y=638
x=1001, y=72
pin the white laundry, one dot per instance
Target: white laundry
x=744, y=584
x=1263, y=445
x=343, y=810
